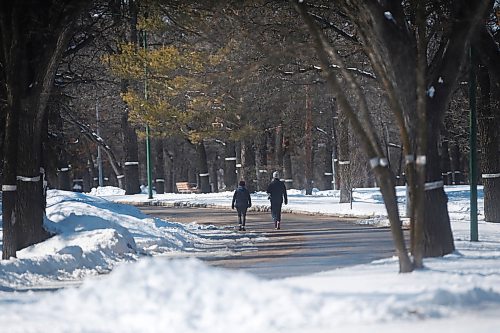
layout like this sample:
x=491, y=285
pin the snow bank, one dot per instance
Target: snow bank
x=92, y=235
x=158, y=295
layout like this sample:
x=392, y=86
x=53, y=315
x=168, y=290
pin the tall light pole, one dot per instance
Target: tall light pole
x=99, y=155
x=473, y=148
x=148, y=143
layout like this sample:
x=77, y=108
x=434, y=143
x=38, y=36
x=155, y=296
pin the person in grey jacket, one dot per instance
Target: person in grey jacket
x=242, y=201
x=277, y=194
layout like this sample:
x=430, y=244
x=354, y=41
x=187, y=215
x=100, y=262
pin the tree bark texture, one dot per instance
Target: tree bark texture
x=344, y=164
x=438, y=237
x=9, y=183
x=131, y=155
x=168, y=159
x=446, y=162
x=456, y=164
x=331, y=181
x=62, y=166
x=204, y=180
x=159, y=166
x=33, y=37
x=63, y=178
x=181, y=172
x=248, y=164
x=385, y=179
x=3, y=113
x=488, y=138
x=335, y=148
x=308, y=145
x=287, y=163
x=214, y=176
x=230, y=166
x=87, y=179
x=278, y=149
x=261, y=163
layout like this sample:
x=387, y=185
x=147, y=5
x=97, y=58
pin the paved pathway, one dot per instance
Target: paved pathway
x=305, y=244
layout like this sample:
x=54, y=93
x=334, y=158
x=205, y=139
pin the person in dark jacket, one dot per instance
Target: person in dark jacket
x=242, y=201
x=277, y=194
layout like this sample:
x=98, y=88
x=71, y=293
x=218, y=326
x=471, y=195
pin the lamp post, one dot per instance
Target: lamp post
x=148, y=142
x=99, y=154
x=473, y=148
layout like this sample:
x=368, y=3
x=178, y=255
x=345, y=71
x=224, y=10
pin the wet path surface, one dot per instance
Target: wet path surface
x=305, y=244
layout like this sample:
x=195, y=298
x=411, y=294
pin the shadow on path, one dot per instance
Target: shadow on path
x=306, y=243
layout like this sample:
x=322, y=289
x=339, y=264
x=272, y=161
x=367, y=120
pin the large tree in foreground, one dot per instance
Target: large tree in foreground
x=486, y=64
x=33, y=35
x=418, y=71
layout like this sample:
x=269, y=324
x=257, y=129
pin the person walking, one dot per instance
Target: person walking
x=277, y=194
x=242, y=201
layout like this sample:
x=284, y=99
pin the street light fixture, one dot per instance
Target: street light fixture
x=473, y=148
x=148, y=143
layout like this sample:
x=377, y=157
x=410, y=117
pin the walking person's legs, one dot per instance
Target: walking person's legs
x=278, y=216
x=244, y=217
x=239, y=217
x=273, y=213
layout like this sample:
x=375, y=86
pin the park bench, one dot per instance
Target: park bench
x=186, y=187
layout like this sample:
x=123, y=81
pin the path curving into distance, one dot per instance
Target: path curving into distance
x=305, y=244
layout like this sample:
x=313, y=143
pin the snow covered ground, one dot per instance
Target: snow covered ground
x=156, y=284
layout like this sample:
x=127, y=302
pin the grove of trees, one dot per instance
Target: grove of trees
x=335, y=95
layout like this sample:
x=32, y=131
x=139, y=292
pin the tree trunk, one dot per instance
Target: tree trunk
x=386, y=184
x=271, y=152
x=287, y=163
x=129, y=135
x=326, y=147
x=30, y=203
x=488, y=136
x=344, y=164
x=3, y=114
x=438, y=237
x=204, y=182
x=445, y=162
x=230, y=166
x=335, y=147
x=261, y=163
x=33, y=38
x=9, y=246
x=131, y=156
x=248, y=164
x=214, y=177
x=278, y=149
x=455, y=159
x=62, y=166
x=159, y=166
x=325, y=154
x=308, y=170
x=63, y=178
x=87, y=180
x=168, y=159
x=182, y=169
